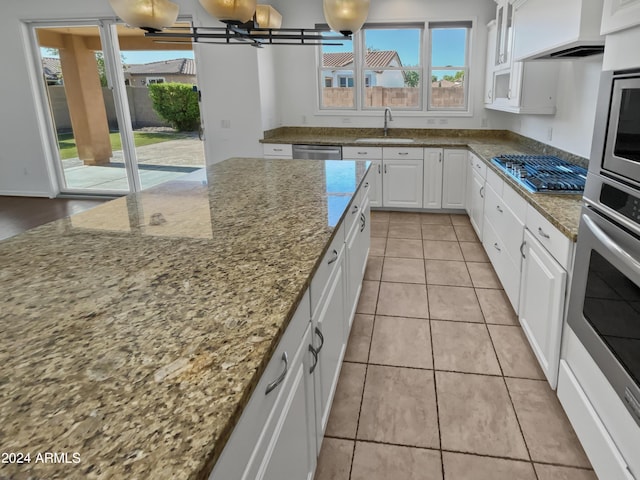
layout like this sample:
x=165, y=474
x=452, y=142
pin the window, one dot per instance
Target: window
x=152, y=80
x=449, y=66
x=392, y=66
x=386, y=66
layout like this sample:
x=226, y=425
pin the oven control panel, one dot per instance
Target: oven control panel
x=622, y=202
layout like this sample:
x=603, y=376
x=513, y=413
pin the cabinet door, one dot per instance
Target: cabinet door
x=491, y=61
x=432, y=195
x=357, y=251
x=329, y=342
x=375, y=183
x=291, y=453
x=504, y=41
x=477, y=203
x=543, y=285
x=402, y=183
x=454, y=178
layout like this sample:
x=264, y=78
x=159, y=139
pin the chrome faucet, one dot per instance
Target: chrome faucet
x=386, y=128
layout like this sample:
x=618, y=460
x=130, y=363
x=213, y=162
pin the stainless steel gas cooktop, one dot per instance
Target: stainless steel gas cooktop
x=543, y=173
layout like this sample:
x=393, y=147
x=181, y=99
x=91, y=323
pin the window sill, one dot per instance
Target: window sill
x=396, y=113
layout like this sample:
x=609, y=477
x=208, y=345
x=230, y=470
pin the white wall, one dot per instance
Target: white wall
x=296, y=66
x=571, y=128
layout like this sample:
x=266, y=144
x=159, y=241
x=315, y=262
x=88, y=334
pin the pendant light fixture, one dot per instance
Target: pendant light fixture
x=151, y=14
x=233, y=11
x=247, y=23
x=346, y=16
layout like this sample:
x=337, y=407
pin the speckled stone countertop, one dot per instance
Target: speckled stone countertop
x=563, y=211
x=134, y=333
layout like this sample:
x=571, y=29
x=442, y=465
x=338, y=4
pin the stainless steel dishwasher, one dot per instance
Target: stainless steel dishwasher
x=317, y=152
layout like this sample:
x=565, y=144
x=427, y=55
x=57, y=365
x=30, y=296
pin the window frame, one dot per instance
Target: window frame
x=358, y=69
x=428, y=85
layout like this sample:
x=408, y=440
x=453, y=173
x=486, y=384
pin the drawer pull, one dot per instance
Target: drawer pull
x=273, y=385
x=355, y=209
x=542, y=233
x=321, y=337
x=522, y=245
x=403, y=153
x=495, y=245
x=499, y=209
x=379, y=169
x=315, y=359
x=277, y=149
x=385, y=169
x=362, y=153
x=366, y=185
x=440, y=157
x=482, y=192
x=335, y=257
x=363, y=222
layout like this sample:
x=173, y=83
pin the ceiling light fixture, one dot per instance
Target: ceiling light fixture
x=247, y=23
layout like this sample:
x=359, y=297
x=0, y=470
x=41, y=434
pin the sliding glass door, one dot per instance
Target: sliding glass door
x=94, y=104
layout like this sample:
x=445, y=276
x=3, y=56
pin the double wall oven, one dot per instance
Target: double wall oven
x=604, y=308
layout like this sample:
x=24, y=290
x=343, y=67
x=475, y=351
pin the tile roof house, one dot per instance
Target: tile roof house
x=52, y=70
x=373, y=59
x=180, y=70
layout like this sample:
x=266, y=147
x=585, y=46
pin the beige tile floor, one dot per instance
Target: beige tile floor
x=439, y=381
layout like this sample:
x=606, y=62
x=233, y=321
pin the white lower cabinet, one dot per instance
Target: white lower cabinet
x=541, y=313
x=402, y=171
x=277, y=151
x=432, y=184
x=454, y=179
x=375, y=182
x=475, y=200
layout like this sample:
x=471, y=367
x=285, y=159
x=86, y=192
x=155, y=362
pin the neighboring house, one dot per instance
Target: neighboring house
x=180, y=70
x=373, y=78
x=52, y=70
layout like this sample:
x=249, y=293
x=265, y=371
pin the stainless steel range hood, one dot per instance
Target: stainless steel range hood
x=551, y=29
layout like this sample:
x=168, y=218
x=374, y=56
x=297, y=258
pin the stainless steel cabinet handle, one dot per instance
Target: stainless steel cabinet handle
x=379, y=169
x=522, y=245
x=482, y=192
x=321, y=337
x=362, y=153
x=385, y=169
x=279, y=380
x=440, y=157
x=355, y=209
x=315, y=358
x=363, y=222
x=499, y=209
x=489, y=94
x=277, y=149
x=542, y=233
x=495, y=245
x=335, y=257
x=612, y=246
x=366, y=185
x=403, y=153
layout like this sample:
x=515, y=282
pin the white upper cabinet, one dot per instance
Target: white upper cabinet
x=619, y=14
x=554, y=29
x=504, y=33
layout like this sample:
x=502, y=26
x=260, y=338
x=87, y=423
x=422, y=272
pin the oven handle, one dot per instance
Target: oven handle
x=612, y=246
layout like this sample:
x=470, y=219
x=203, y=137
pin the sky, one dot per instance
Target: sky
x=447, y=48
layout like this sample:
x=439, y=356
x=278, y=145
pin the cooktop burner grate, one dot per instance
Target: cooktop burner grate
x=543, y=173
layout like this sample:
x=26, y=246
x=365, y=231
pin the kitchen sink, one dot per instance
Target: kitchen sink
x=384, y=140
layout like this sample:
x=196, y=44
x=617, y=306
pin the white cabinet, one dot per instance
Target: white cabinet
x=504, y=33
x=502, y=235
x=619, y=14
x=357, y=250
x=402, y=177
x=432, y=185
x=278, y=150
x=476, y=173
x=373, y=154
x=291, y=451
x=454, y=179
x=491, y=61
x=541, y=312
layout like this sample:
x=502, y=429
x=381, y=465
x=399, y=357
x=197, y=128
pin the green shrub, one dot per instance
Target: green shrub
x=176, y=103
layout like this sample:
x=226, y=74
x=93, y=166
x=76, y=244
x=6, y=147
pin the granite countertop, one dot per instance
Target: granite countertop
x=563, y=211
x=134, y=333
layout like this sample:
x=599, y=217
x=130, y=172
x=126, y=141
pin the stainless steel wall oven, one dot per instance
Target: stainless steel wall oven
x=604, y=306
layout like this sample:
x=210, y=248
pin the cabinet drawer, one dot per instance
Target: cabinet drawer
x=326, y=268
x=478, y=165
x=364, y=153
x=507, y=269
x=399, y=153
x=508, y=228
x=517, y=203
x=284, y=150
x=559, y=246
x=254, y=421
x=495, y=181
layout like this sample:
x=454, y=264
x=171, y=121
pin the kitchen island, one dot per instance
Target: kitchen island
x=135, y=333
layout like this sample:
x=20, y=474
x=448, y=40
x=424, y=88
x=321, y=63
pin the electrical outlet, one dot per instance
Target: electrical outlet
x=484, y=123
x=304, y=119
